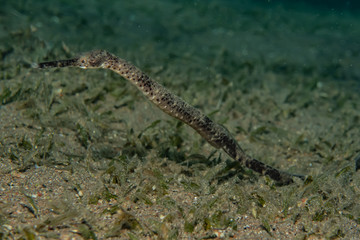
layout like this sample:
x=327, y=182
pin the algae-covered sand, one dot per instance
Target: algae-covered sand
x=84, y=155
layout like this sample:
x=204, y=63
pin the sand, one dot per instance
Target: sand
x=83, y=155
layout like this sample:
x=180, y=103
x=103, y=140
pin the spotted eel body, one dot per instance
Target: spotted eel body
x=174, y=106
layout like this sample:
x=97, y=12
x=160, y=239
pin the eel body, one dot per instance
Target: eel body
x=174, y=106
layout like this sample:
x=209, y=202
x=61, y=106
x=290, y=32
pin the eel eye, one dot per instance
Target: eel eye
x=83, y=63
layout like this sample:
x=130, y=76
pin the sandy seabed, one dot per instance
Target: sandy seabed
x=83, y=155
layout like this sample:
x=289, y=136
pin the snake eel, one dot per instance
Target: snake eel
x=174, y=106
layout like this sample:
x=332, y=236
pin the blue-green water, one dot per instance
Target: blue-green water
x=305, y=34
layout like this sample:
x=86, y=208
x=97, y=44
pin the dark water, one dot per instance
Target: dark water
x=352, y=5
x=334, y=5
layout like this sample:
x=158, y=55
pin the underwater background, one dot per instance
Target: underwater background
x=83, y=154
